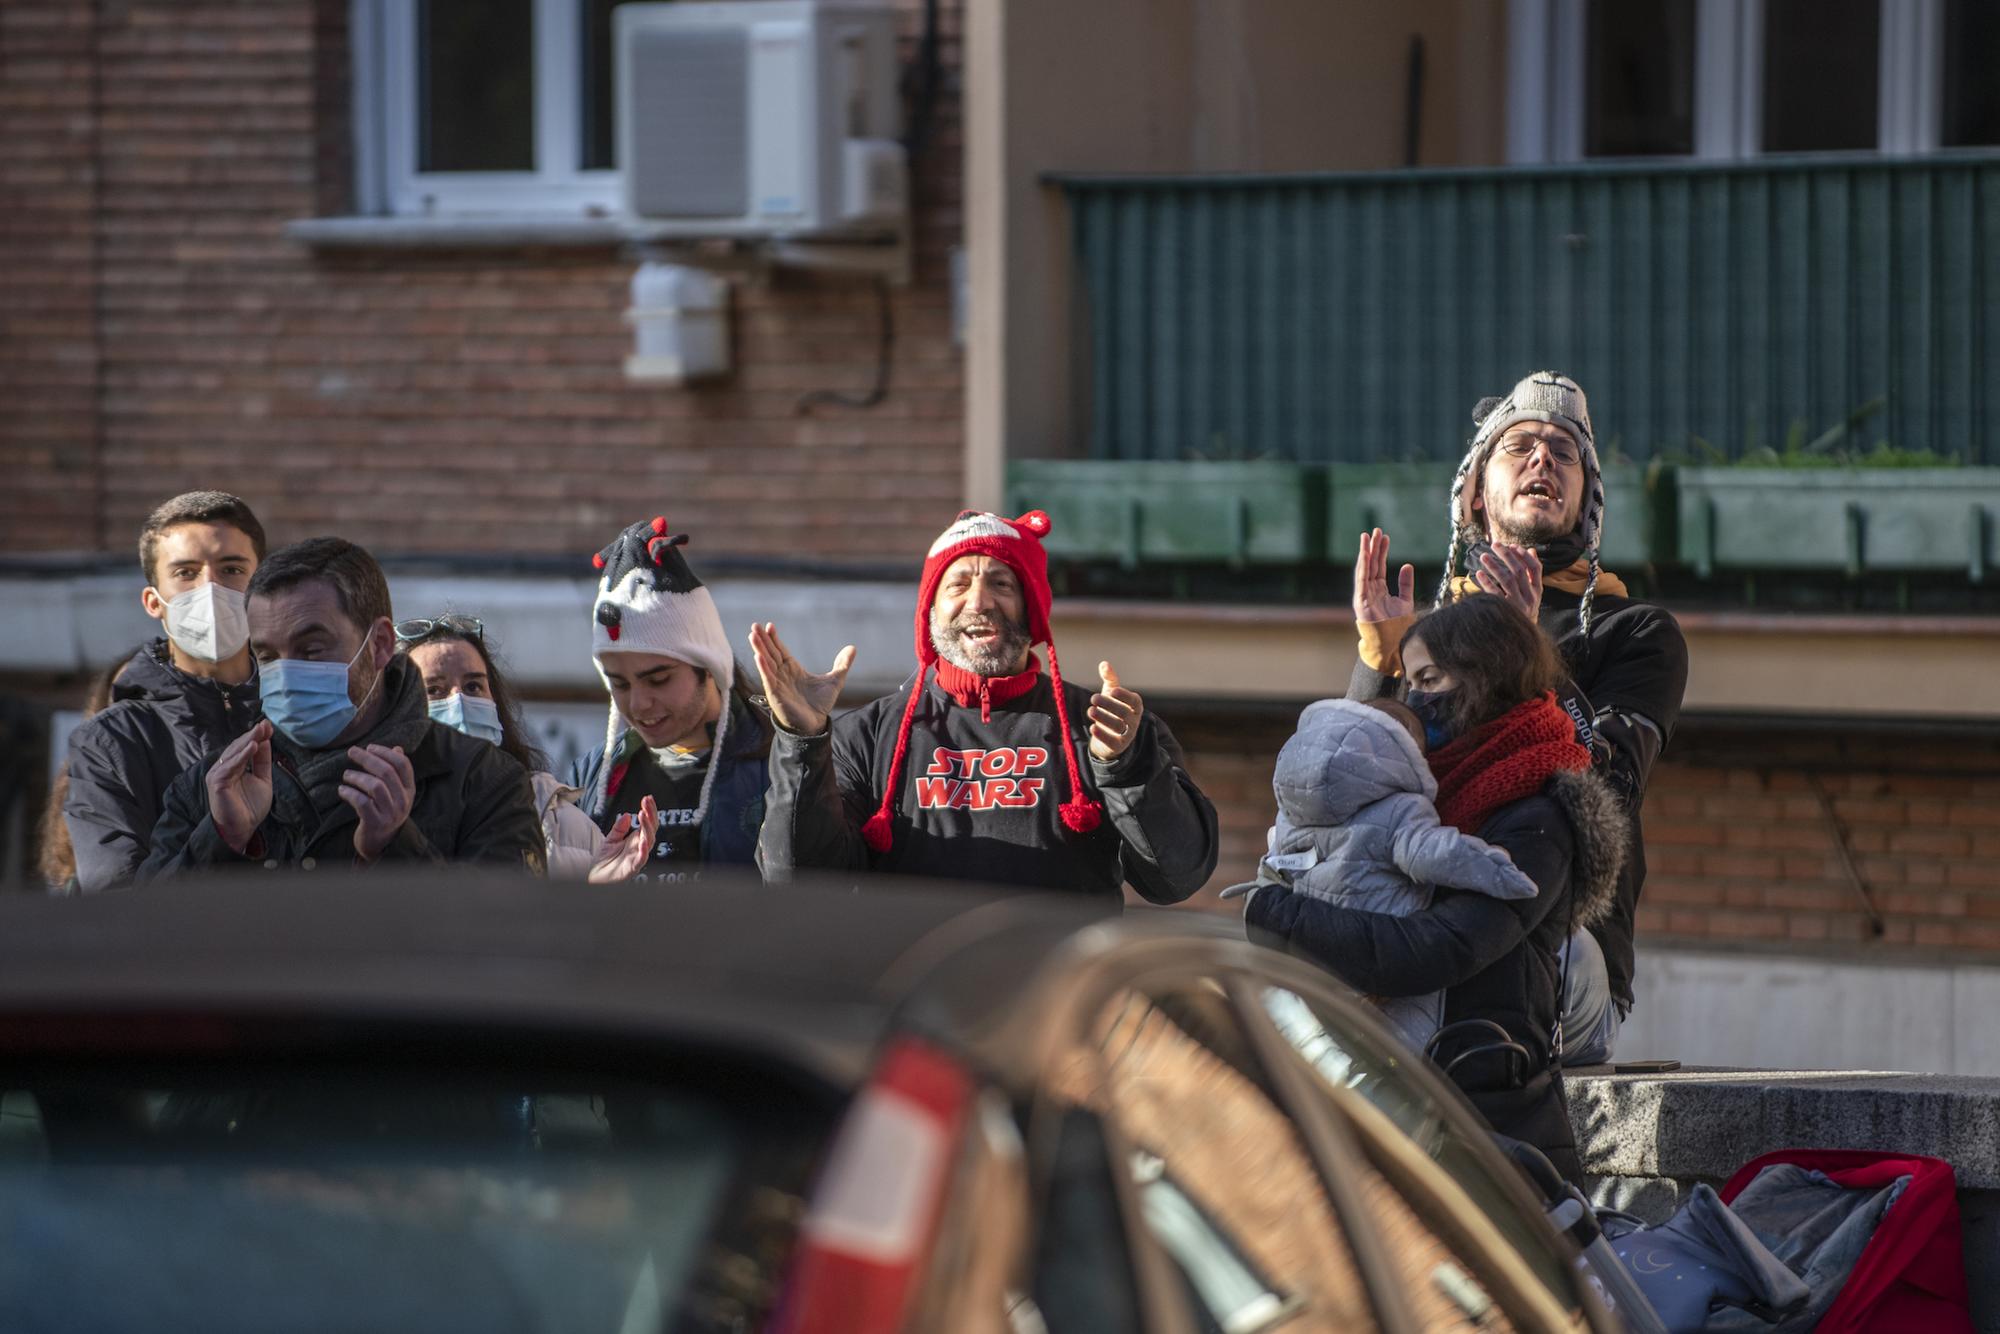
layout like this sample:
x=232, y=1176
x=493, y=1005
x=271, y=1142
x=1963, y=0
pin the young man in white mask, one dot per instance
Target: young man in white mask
x=183, y=697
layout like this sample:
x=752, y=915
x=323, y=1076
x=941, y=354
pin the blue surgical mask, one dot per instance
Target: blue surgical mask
x=1433, y=708
x=468, y=714
x=308, y=701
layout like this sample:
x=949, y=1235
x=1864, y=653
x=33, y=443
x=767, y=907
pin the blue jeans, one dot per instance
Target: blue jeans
x=1589, y=1018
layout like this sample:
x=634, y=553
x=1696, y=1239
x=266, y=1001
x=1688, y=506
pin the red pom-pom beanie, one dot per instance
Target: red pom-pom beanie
x=1017, y=544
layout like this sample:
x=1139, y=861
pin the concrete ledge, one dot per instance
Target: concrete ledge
x=1646, y=1140
x=1703, y=1124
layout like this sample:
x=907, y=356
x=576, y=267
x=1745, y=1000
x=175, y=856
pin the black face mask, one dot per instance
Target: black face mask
x=1433, y=710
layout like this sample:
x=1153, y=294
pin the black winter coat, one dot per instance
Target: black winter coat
x=473, y=802
x=161, y=722
x=1000, y=825
x=1494, y=959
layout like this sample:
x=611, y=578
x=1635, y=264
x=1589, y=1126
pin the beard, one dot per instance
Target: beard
x=1533, y=533
x=998, y=656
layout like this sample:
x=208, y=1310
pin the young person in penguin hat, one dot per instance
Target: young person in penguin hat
x=985, y=766
x=1527, y=513
x=683, y=741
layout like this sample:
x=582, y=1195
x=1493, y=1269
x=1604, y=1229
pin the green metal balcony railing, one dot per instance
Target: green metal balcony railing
x=1708, y=309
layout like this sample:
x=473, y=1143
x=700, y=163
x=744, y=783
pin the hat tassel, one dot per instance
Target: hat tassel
x=1080, y=815
x=879, y=830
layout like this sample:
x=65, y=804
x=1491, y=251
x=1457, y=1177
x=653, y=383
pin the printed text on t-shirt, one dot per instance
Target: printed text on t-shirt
x=981, y=780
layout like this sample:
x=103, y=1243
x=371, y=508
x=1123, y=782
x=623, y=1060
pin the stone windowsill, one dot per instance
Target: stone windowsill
x=497, y=232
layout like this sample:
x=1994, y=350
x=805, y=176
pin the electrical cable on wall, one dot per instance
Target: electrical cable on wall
x=885, y=345
x=920, y=88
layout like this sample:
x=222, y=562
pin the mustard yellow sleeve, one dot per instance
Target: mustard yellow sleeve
x=1382, y=641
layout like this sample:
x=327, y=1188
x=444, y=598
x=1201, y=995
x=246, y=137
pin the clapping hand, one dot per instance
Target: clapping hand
x=1512, y=573
x=381, y=787
x=627, y=846
x=239, y=787
x=800, y=700
x=1373, y=601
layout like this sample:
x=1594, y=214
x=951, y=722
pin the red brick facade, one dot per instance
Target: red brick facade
x=49, y=347
x=159, y=332
x=1740, y=844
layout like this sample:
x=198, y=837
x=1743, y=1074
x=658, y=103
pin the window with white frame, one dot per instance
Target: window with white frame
x=1735, y=78
x=484, y=107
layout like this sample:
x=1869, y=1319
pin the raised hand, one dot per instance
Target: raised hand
x=800, y=700
x=627, y=846
x=239, y=787
x=1372, y=599
x=1514, y=573
x=1114, y=716
x=381, y=787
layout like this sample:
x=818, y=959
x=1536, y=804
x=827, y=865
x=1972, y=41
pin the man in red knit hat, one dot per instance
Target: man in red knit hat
x=993, y=771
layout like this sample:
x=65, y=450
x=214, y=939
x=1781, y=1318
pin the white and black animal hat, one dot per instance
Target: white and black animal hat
x=649, y=601
x=1542, y=397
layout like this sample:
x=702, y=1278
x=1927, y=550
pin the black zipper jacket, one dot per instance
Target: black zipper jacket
x=121, y=762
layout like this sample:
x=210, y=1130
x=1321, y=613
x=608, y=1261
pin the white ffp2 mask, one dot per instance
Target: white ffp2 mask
x=209, y=622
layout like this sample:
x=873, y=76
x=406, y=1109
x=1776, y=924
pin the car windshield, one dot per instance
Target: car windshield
x=288, y=1200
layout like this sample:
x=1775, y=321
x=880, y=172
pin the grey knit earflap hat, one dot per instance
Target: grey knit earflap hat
x=1542, y=397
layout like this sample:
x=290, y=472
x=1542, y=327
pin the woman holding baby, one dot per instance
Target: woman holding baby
x=1510, y=782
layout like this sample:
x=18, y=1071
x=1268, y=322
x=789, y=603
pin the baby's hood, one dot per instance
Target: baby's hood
x=1346, y=756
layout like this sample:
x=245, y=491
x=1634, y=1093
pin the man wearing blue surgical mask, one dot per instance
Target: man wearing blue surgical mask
x=347, y=768
x=182, y=697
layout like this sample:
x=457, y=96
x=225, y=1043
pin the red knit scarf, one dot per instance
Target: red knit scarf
x=1512, y=757
x=967, y=687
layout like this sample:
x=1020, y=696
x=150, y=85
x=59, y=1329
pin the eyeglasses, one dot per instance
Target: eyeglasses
x=419, y=627
x=1521, y=446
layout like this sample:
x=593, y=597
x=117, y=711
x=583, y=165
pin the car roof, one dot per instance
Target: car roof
x=813, y=973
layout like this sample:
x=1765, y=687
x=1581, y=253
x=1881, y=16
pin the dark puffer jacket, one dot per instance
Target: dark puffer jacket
x=1494, y=959
x=161, y=721
x=473, y=803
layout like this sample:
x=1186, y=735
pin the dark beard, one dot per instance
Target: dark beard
x=999, y=657
x=1534, y=534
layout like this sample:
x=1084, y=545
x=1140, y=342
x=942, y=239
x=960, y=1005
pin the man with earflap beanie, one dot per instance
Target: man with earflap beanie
x=983, y=767
x=682, y=729
x=1527, y=514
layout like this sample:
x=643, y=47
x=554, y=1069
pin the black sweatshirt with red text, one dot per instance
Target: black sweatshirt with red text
x=979, y=799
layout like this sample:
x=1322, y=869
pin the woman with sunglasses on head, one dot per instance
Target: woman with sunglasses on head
x=468, y=691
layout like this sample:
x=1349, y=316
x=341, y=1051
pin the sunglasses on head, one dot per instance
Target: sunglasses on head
x=421, y=627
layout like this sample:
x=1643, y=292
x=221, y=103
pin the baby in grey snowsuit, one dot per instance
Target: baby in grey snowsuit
x=1358, y=826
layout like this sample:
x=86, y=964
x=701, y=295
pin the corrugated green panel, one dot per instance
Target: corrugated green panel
x=1358, y=317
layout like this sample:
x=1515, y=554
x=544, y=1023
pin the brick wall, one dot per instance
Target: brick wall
x=1744, y=830
x=48, y=329
x=1745, y=836
x=410, y=400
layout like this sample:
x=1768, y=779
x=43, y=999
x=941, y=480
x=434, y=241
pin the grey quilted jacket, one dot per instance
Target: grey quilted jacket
x=1356, y=821
x=1358, y=826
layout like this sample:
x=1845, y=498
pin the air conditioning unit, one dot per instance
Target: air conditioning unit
x=759, y=118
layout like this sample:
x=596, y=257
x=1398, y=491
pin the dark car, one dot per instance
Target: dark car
x=420, y=1103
